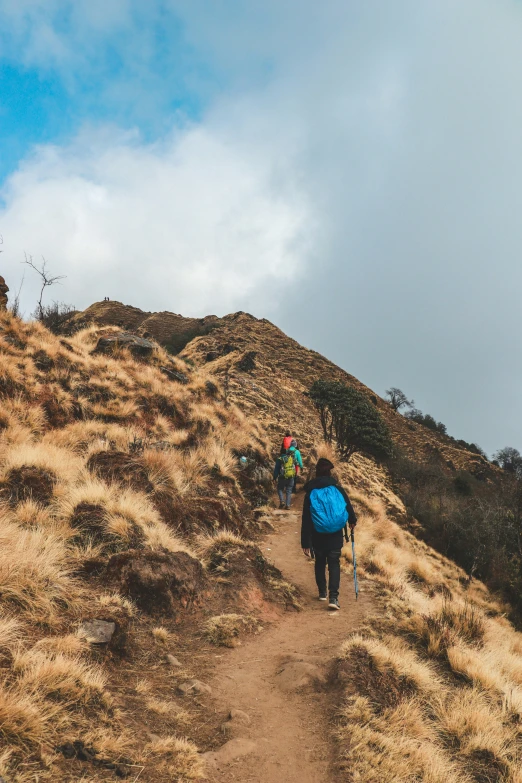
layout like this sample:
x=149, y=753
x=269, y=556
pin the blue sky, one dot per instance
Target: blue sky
x=34, y=110
x=138, y=73
x=350, y=170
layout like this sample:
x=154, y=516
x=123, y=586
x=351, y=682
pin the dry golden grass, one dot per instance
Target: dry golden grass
x=448, y=703
x=166, y=470
x=170, y=711
x=398, y=745
x=15, y=411
x=59, y=676
x=177, y=756
x=35, y=576
x=11, y=631
x=115, y=599
x=127, y=514
x=225, y=629
x=71, y=645
x=209, y=542
x=59, y=408
x=161, y=634
x=59, y=463
x=31, y=514
x=217, y=456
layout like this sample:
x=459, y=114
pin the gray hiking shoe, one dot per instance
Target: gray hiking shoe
x=334, y=604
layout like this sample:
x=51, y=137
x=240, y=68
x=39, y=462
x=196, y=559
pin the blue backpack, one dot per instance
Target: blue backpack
x=328, y=509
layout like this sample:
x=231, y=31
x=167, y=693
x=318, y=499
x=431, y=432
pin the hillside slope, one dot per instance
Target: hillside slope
x=118, y=476
x=127, y=511
x=269, y=373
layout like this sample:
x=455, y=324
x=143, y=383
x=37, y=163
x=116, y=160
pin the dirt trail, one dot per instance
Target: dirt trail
x=287, y=737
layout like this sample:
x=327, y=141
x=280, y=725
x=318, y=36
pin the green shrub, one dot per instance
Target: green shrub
x=426, y=420
x=478, y=524
x=348, y=417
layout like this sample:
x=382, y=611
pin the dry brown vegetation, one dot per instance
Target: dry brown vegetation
x=430, y=689
x=121, y=498
x=225, y=629
x=106, y=464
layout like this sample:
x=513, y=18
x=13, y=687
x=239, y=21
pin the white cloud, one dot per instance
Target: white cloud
x=195, y=223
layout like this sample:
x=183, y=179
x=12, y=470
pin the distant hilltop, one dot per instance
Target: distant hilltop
x=269, y=373
x=169, y=329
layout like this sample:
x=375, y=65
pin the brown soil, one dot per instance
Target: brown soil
x=157, y=582
x=279, y=679
x=28, y=483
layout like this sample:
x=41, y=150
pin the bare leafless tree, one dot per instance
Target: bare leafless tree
x=398, y=399
x=46, y=279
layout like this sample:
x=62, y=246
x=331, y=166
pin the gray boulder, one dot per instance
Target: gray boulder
x=175, y=375
x=97, y=631
x=138, y=346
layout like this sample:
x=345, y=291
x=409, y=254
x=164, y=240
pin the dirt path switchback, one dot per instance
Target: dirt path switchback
x=272, y=682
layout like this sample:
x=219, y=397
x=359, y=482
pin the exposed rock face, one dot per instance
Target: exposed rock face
x=3, y=293
x=193, y=687
x=174, y=375
x=138, y=346
x=248, y=362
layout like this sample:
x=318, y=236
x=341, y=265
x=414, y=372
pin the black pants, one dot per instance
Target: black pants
x=333, y=559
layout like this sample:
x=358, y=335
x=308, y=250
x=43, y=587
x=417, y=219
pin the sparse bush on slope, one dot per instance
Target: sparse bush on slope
x=55, y=315
x=431, y=686
x=426, y=420
x=476, y=523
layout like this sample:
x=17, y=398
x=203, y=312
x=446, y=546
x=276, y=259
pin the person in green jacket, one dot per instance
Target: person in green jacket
x=298, y=462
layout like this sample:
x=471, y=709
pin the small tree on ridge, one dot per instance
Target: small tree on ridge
x=347, y=416
x=398, y=399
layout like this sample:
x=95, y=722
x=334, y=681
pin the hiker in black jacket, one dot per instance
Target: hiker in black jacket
x=322, y=510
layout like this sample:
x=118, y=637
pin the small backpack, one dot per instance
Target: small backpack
x=287, y=466
x=328, y=509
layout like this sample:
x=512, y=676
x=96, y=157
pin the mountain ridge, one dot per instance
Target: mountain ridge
x=220, y=343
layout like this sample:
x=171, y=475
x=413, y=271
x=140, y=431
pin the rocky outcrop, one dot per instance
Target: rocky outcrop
x=3, y=293
x=137, y=346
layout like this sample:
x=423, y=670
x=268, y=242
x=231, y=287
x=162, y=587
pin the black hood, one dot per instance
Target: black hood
x=319, y=483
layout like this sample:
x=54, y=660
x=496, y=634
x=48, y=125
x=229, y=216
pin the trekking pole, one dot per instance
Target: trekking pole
x=355, y=582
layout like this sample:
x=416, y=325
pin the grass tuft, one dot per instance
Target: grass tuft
x=224, y=629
